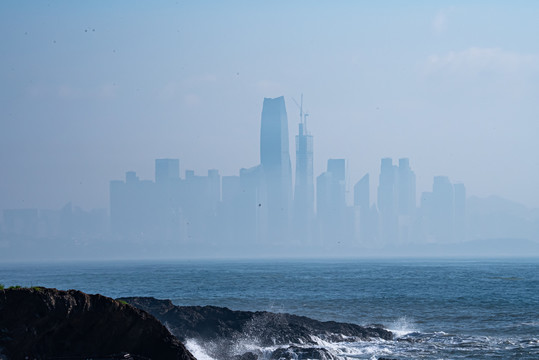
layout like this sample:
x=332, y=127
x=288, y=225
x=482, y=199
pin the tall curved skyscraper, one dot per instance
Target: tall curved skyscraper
x=275, y=161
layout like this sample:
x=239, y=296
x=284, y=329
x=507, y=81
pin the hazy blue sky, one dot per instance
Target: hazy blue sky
x=92, y=89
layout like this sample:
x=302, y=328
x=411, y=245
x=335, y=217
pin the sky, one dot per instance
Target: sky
x=90, y=90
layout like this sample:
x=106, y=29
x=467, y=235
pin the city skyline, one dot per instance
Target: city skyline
x=261, y=211
x=259, y=207
x=306, y=143
x=92, y=89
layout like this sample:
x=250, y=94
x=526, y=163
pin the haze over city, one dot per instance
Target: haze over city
x=94, y=90
x=227, y=180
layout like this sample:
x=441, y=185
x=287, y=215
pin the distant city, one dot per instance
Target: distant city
x=261, y=205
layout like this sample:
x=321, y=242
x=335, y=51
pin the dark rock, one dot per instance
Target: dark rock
x=47, y=323
x=214, y=323
x=221, y=331
x=247, y=356
x=299, y=353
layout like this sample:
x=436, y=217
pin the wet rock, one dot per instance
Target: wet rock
x=299, y=353
x=247, y=356
x=266, y=328
x=48, y=323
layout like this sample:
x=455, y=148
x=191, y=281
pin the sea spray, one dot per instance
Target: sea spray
x=198, y=351
x=403, y=326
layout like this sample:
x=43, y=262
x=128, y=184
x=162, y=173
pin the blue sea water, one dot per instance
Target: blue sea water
x=439, y=309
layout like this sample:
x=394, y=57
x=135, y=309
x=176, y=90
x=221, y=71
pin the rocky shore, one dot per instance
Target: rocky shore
x=42, y=323
x=223, y=331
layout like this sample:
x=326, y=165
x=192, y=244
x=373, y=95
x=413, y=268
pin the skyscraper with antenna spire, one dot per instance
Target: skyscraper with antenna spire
x=304, y=187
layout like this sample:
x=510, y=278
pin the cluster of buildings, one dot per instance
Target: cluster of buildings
x=262, y=205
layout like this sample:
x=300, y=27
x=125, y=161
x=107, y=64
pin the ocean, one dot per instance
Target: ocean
x=438, y=309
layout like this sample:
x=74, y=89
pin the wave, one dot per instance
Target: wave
x=412, y=345
x=215, y=333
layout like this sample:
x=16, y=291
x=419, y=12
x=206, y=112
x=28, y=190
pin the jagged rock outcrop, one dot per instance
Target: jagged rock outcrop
x=212, y=323
x=221, y=330
x=41, y=323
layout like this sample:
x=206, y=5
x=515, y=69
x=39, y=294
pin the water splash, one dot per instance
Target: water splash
x=403, y=326
x=197, y=350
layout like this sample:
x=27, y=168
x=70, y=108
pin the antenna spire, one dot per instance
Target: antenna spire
x=301, y=110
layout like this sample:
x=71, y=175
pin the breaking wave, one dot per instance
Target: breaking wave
x=408, y=343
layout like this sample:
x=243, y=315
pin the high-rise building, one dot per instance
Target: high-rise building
x=253, y=207
x=304, y=187
x=362, y=192
x=167, y=170
x=200, y=196
x=167, y=199
x=275, y=161
x=337, y=167
x=133, y=207
x=387, y=201
x=334, y=219
x=443, y=211
x=323, y=207
x=406, y=195
x=364, y=221
x=406, y=188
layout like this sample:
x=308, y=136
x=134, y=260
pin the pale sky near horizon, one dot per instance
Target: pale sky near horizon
x=93, y=89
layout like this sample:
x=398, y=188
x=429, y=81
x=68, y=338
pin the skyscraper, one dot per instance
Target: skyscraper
x=387, y=201
x=365, y=223
x=304, y=188
x=406, y=188
x=167, y=170
x=333, y=218
x=362, y=192
x=275, y=161
x=406, y=200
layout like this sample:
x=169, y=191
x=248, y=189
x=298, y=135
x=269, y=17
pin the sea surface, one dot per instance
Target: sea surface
x=439, y=309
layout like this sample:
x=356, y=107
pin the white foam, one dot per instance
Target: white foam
x=403, y=326
x=344, y=350
x=373, y=348
x=198, y=351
